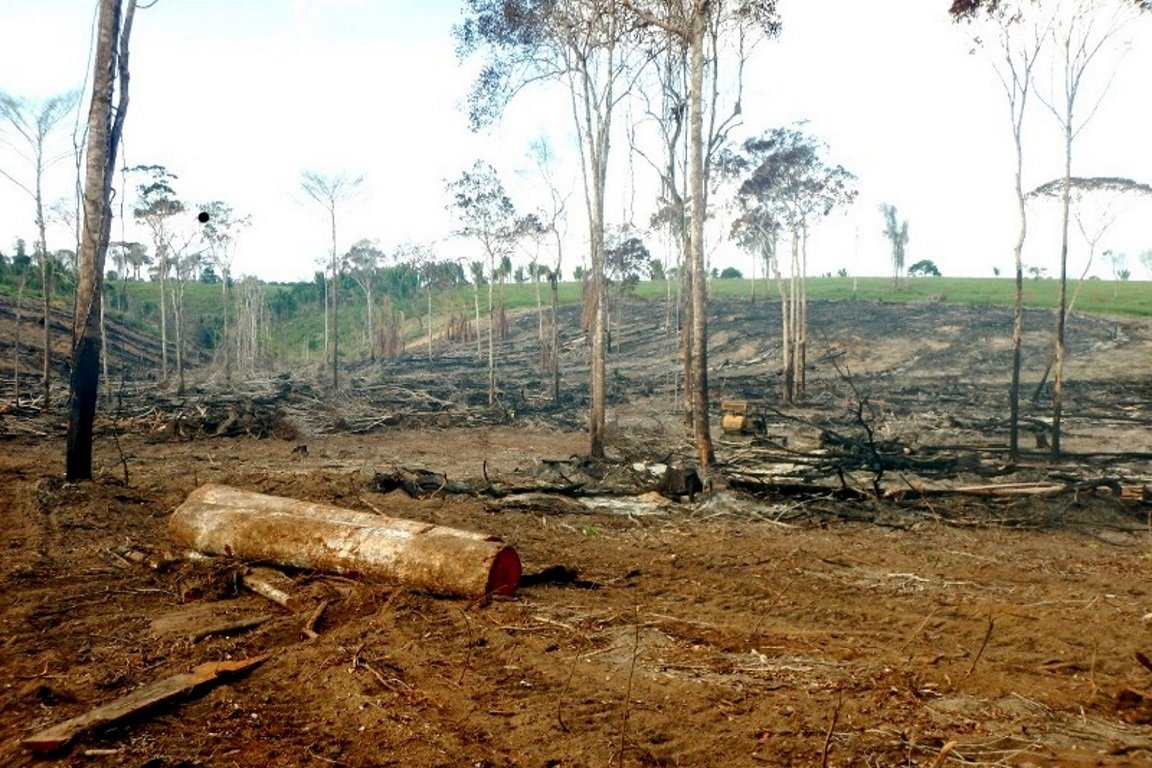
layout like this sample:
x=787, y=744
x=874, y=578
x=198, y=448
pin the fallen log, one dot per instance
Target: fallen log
x=220, y=520
x=59, y=736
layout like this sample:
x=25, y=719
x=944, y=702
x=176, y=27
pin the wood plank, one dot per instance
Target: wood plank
x=61, y=735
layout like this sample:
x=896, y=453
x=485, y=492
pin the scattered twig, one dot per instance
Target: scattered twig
x=916, y=631
x=942, y=755
x=310, y=625
x=983, y=645
x=824, y=753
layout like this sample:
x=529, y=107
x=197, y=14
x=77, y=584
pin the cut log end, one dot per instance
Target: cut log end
x=504, y=576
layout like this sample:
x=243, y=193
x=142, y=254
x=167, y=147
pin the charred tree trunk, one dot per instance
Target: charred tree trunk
x=104, y=130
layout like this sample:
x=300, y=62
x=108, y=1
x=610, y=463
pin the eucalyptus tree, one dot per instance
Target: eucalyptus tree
x=186, y=258
x=591, y=47
x=219, y=232
x=331, y=192
x=486, y=214
x=701, y=28
x=104, y=128
x=158, y=206
x=33, y=125
x=364, y=259
x=698, y=67
x=785, y=182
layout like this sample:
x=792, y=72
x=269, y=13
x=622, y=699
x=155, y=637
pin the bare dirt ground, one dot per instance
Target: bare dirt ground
x=736, y=629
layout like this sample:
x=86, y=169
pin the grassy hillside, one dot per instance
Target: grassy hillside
x=295, y=315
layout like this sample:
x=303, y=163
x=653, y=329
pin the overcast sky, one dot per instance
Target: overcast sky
x=238, y=98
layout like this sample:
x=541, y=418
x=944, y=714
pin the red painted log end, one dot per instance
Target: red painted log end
x=504, y=577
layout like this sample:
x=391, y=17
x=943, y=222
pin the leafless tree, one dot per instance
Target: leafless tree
x=331, y=192
x=1083, y=36
x=33, y=126
x=1014, y=33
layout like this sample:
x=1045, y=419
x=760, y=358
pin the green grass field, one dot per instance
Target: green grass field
x=304, y=329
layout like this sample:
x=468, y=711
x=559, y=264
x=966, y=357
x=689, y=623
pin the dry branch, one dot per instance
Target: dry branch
x=59, y=736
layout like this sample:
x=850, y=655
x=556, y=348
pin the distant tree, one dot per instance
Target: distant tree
x=625, y=257
x=219, y=233
x=730, y=273
x=1146, y=261
x=104, y=129
x=785, y=182
x=924, y=268
x=995, y=271
x=1118, y=263
x=896, y=233
x=656, y=270
x=33, y=126
x=19, y=270
x=331, y=192
x=550, y=221
x=187, y=257
x=363, y=260
x=578, y=273
x=439, y=276
x=486, y=214
x=157, y=205
x=589, y=46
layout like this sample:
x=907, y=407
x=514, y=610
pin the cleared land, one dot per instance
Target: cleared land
x=775, y=625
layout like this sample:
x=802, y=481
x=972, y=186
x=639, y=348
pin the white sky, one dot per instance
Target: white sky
x=238, y=99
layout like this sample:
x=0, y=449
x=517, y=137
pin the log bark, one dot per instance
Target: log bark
x=220, y=520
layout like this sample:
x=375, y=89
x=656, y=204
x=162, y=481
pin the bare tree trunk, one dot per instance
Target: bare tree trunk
x=163, y=267
x=16, y=346
x=491, y=332
x=1018, y=305
x=178, y=319
x=700, y=421
x=46, y=288
x=226, y=345
x=335, y=304
x=1061, y=314
x=476, y=302
x=429, y=322
x=372, y=327
x=553, y=279
x=111, y=63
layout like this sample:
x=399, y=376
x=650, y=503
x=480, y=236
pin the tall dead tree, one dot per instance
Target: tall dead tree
x=1081, y=34
x=105, y=126
x=331, y=192
x=34, y=125
x=1019, y=31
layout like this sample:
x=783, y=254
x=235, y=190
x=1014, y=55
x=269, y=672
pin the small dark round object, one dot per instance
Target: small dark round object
x=203, y=217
